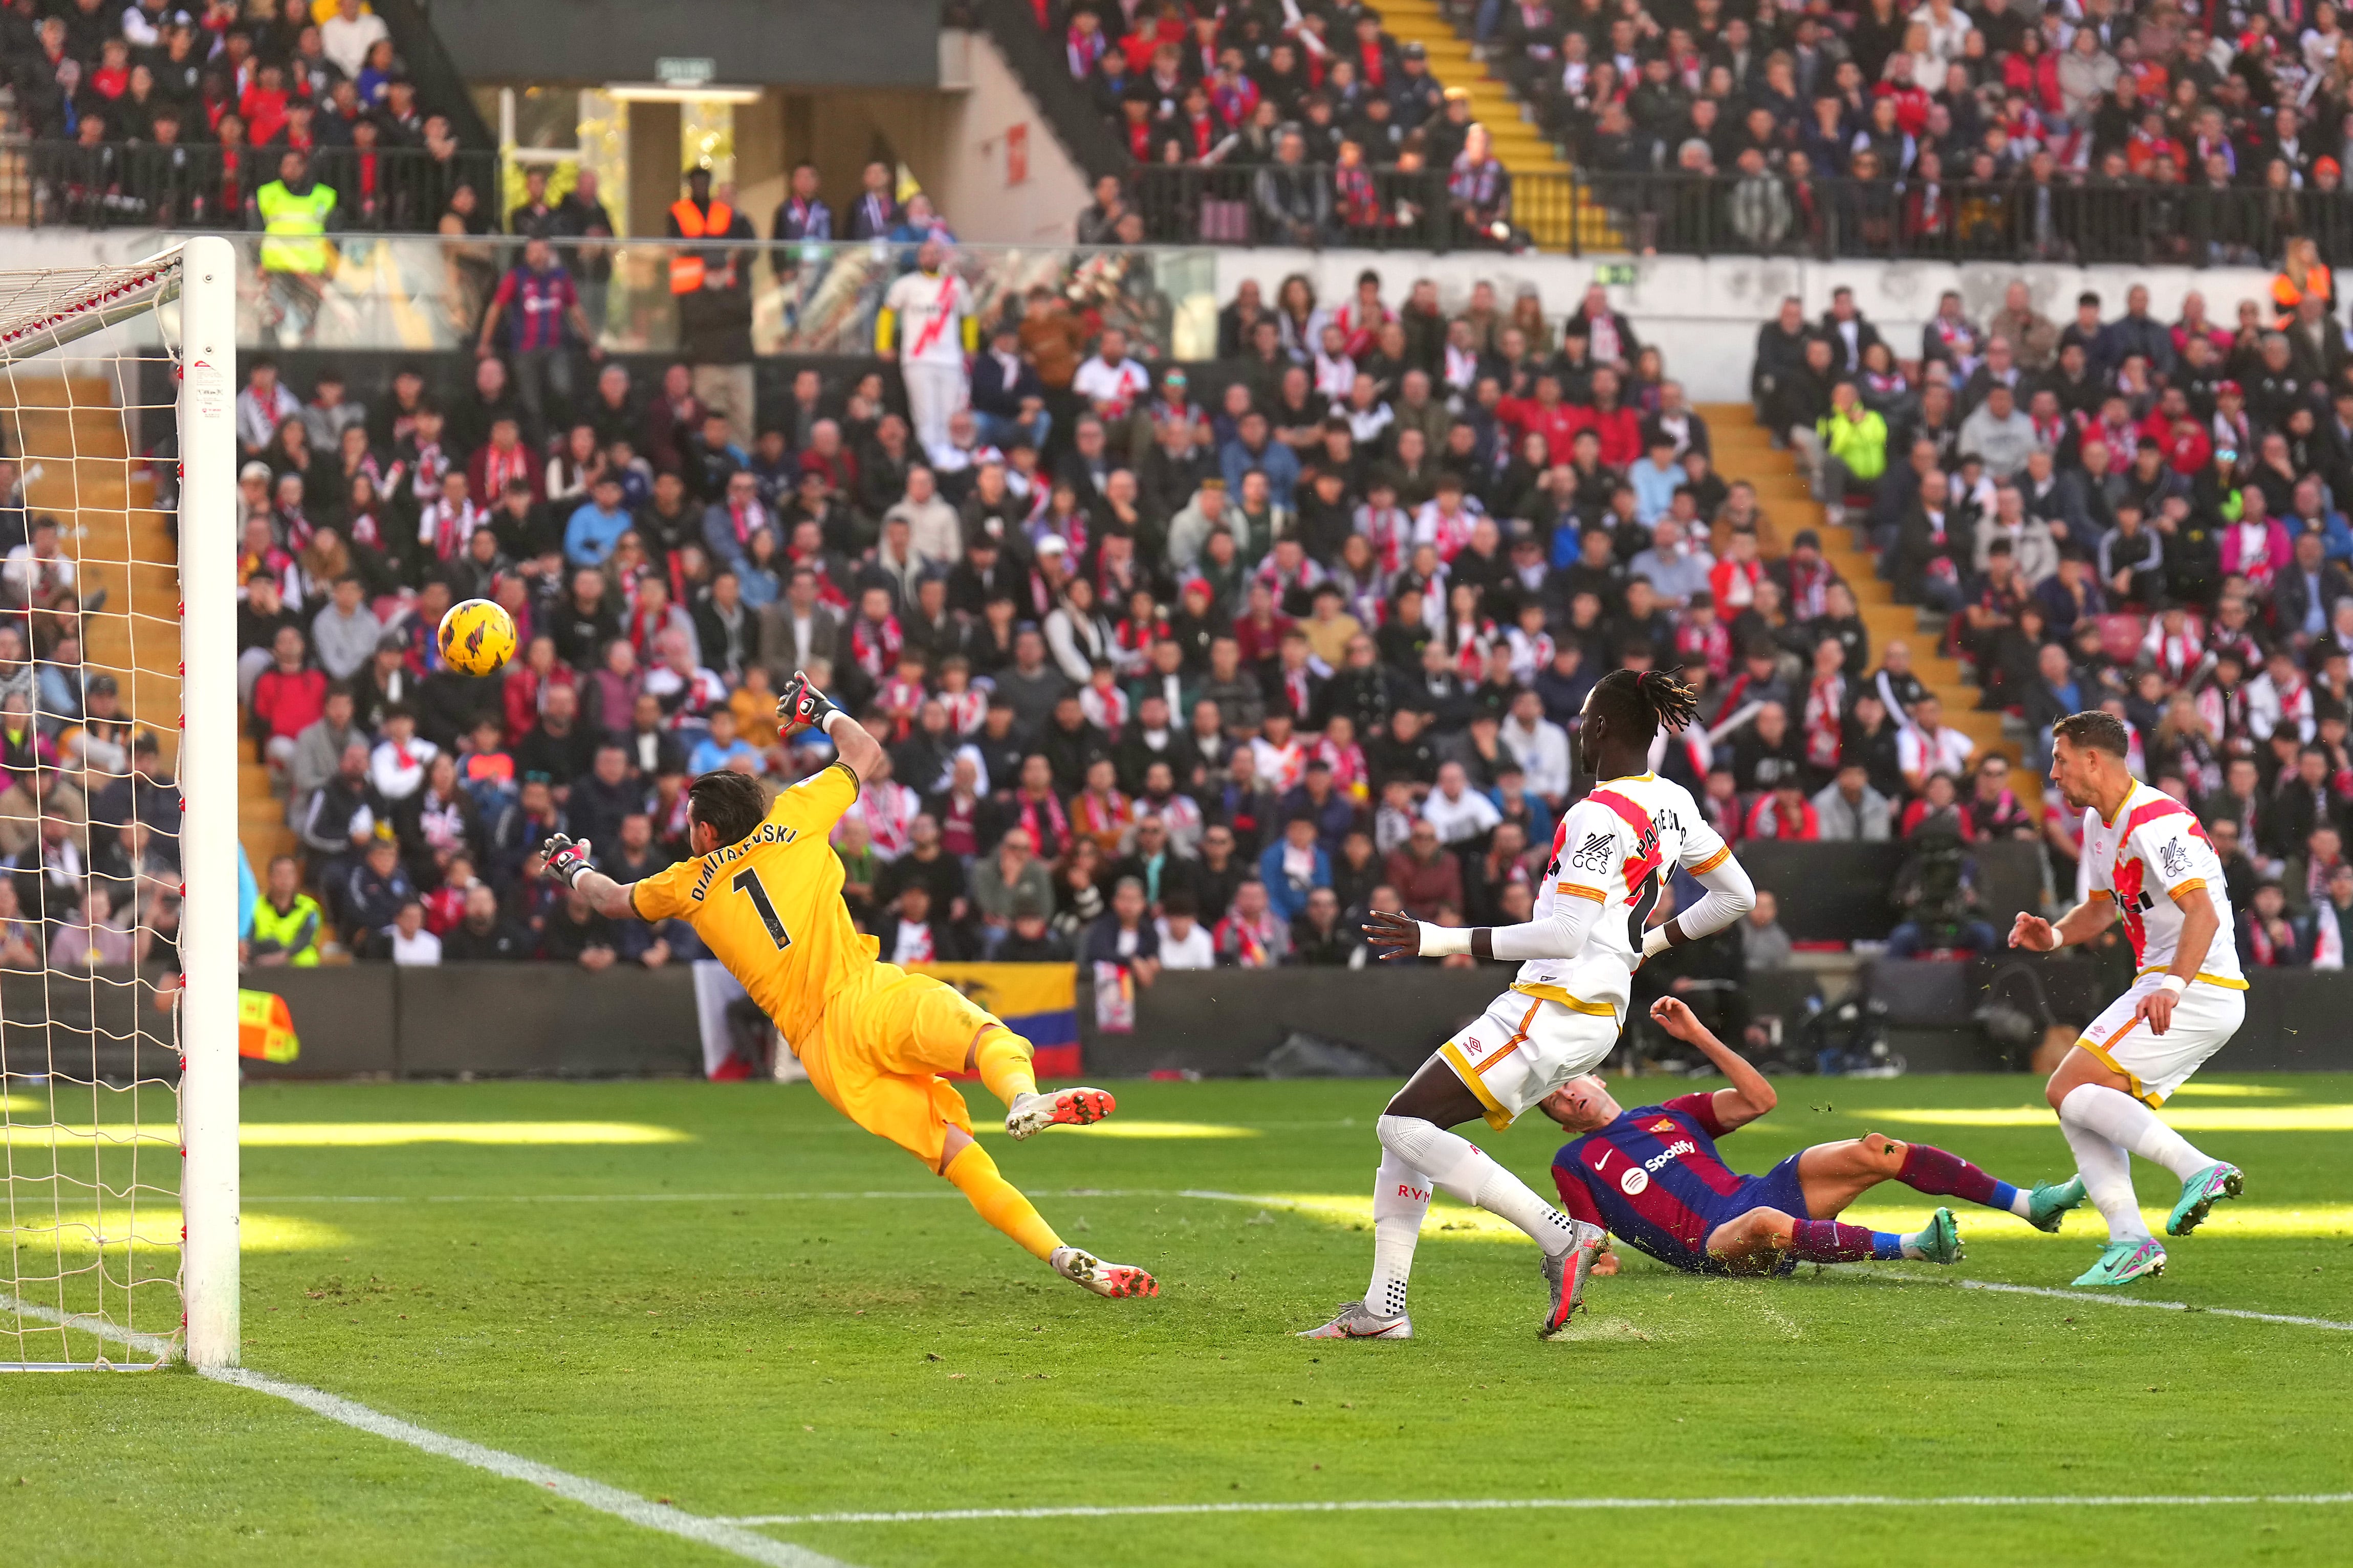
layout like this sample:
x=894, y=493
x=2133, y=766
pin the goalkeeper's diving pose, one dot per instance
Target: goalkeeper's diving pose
x=763, y=893
x=1613, y=852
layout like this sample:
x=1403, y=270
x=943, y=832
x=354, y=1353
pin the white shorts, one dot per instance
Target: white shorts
x=2204, y=1019
x=1523, y=1047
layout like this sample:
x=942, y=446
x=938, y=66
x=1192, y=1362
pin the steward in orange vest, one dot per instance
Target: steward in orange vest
x=2301, y=273
x=709, y=281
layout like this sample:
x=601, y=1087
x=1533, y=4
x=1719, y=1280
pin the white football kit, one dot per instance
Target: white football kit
x=1617, y=848
x=2153, y=852
x=930, y=309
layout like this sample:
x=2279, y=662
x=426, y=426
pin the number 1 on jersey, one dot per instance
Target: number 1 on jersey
x=747, y=882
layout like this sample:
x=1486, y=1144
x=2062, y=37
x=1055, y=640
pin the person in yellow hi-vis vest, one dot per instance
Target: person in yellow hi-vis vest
x=930, y=311
x=285, y=921
x=295, y=209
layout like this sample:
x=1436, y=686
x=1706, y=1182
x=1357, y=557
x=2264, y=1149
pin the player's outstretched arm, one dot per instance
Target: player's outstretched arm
x=1562, y=935
x=802, y=706
x=566, y=860
x=1751, y=1094
x=2082, y=923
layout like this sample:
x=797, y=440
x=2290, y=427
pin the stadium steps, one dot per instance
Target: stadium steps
x=1744, y=451
x=1524, y=149
x=79, y=468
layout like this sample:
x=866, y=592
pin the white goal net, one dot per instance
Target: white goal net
x=117, y=843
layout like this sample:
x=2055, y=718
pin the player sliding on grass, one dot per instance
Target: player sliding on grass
x=1614, y=850
x=1653, y=1178
x=2151, y=862
x=763, y=893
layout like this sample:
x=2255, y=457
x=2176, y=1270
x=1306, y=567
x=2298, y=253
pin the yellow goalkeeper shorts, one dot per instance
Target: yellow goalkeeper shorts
x=882, y=1042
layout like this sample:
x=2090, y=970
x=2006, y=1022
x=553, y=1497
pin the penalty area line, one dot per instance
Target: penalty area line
x=1501, y=1505
x=725, y=1536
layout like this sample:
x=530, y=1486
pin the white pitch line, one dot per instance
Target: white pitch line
x=725, y=1536
x=2090, y=1298
x=154, y=1345
x=1498, y=1505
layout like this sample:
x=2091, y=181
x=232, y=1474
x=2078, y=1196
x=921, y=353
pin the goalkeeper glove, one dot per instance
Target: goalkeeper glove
x=565, y=859
x=802, y=703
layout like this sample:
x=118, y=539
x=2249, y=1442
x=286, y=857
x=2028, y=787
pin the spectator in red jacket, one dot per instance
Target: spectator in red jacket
x=1424, y=874
x=1619, y=428
x=1546, y=416
x=1784, y=814
x=288, y=698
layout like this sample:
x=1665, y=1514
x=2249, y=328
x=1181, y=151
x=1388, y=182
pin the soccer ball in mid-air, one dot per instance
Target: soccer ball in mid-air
x=476, y=638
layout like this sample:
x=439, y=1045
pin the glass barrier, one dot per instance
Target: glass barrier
x=422, y=293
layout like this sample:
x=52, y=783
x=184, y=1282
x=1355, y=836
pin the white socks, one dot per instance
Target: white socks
x=1464, y=1171
x=2106, y=1172
x=1400, y=1199
x=2127, y=1123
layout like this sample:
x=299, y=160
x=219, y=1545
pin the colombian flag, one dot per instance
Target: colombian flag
x=1039, y=1002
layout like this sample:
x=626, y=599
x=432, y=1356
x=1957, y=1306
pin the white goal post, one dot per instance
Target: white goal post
x=119, y=994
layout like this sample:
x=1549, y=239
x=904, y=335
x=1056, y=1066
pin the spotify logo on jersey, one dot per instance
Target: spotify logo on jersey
x=1634, y=1180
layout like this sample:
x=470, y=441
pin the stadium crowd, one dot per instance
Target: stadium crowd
x=2120, y=513
x=154, y=112
x=2164, y=133
x=2153, y=133
x=1339, y=133
x=1313, y=642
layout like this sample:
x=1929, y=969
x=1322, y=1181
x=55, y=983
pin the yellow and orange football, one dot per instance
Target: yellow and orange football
x=476, y=638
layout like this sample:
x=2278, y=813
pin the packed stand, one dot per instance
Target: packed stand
x=2205, y=136
x=1332, y=132
x=2108, y=511
x=229, y=116
x=1167, y=681
x=90, y=813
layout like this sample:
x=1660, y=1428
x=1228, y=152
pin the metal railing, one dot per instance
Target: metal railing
x=1314, y=205
x=2012, y=220
x=120, y=185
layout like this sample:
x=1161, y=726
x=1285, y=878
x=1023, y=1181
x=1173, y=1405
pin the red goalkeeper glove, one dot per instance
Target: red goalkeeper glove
x=566, y=859
x=802, y=703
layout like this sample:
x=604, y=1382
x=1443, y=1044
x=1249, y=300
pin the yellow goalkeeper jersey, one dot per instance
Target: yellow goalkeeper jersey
x=769, y=906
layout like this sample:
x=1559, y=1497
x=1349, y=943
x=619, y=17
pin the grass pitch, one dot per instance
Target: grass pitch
x=727, y=1299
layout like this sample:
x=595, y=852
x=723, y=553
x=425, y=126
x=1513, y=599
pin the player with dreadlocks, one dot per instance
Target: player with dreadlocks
x=1613, y=852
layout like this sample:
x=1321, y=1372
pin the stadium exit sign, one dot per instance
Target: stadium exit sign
x=685, y=70
x=1614, y=272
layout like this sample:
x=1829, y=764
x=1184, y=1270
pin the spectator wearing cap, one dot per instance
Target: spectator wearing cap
x=1294, y=865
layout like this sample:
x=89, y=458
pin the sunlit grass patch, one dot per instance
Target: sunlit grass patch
x=351, y=1134
x=81, y=1232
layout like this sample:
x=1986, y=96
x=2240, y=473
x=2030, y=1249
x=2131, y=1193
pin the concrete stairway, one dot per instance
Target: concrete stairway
x=1522, y=147
x=1744, y=451
x=69, y=430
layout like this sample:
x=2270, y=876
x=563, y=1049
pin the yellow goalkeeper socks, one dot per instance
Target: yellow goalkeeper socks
x=1002, y=1059
x=1000, y=1202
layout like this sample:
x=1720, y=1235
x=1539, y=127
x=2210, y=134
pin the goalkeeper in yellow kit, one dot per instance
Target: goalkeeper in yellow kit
x=763, y=893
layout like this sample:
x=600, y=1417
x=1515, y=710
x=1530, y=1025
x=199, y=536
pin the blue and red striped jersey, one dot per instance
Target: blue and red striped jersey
x=1652, y=1177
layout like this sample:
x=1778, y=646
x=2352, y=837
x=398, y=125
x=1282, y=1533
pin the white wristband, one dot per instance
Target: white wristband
x=1655, y=941
x=2175, y=983
x=831, y=714
x=1443, y=942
